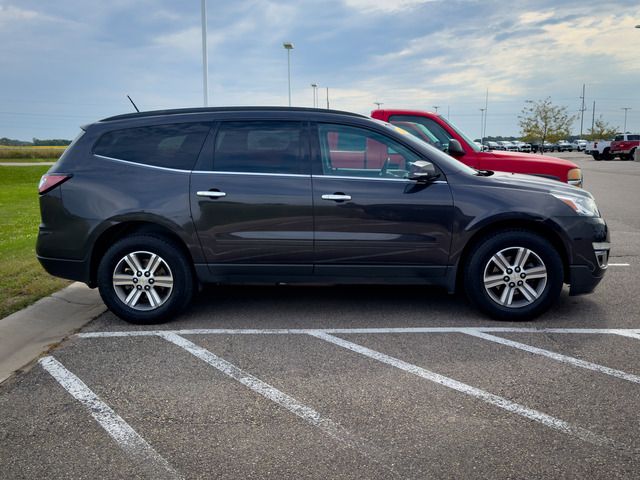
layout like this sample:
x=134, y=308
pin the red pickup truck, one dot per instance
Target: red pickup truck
x=435, y=129
x=624, y=146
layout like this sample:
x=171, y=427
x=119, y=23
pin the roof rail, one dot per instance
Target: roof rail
x=179, y=111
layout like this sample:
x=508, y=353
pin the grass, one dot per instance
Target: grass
x=26, y=160
x=40, y=152
x=22, y=279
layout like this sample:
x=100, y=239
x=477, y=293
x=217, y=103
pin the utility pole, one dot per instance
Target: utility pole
x=624, y=130
x=205, y=66
x=482, y=126
x=327, y=98
x=582, y=111
x=486, y=112
x=593, y=117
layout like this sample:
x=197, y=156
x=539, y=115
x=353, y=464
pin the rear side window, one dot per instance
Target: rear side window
x=261, y=147
x=171, y=146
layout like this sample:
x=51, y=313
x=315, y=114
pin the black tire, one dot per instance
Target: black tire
x=596, y=156
x=172, y=265
x=480, y=262
x=606, y=155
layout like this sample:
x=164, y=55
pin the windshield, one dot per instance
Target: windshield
x=466, y=139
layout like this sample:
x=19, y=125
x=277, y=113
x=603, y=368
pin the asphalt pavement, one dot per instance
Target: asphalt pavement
x=347, y=382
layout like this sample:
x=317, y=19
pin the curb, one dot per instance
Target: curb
x=26, y=334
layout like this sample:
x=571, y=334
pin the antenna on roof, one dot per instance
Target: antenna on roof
x=134, y=105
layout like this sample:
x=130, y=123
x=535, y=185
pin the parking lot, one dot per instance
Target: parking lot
x=348, y=382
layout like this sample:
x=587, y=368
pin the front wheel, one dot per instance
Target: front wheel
x=514, y=275
x=145, y=279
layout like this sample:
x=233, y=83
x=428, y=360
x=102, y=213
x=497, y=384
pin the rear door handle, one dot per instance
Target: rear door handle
x=337, y=197
x=211, y=194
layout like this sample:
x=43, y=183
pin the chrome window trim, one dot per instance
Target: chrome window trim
x=261, y=174
x=129, y=162
x=346, y=177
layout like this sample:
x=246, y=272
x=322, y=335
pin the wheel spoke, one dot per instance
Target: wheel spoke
x=154, y=298
x=507, y=295
x=536, y=272
x=493, y=281
x=521, y=257
x=501, y=262
x=132, y=261
x=122, y=279
x=163, y=281
x=529, y=293
x=154, y=263
x=133, y=297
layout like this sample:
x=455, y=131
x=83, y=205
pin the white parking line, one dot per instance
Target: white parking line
x=487, y=397
x=631, y=332
x=262, y=388
x=555, y=356
x=619, y=264
x=126, y=437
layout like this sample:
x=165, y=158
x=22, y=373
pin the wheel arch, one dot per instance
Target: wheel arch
x=545, y=230
x=113, y=233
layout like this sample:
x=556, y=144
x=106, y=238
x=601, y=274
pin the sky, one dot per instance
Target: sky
x=71, y=62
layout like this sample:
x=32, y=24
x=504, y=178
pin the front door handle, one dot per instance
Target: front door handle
x=336, y=197
x=211, y=194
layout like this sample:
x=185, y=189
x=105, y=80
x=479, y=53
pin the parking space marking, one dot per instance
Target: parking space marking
x=308, y=414
x=555, y=356
x=126, y=437
x=630, y=332
x=503, y=403
x=619, y=264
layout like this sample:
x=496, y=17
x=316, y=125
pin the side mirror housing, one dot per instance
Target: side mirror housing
x=455, y=148
x=422, y=171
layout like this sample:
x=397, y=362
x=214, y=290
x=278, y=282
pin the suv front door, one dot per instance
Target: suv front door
x=370, y=219
x=251, y=200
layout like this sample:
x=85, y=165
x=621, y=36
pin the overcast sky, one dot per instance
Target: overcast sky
x=64, y=63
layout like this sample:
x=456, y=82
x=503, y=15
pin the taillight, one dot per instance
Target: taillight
x=51, y=180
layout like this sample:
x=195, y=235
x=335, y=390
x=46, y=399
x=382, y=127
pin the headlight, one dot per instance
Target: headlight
x=584, y=206
x=574, y=177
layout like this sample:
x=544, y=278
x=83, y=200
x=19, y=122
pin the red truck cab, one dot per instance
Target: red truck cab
x=624, y=146
x=466, y=151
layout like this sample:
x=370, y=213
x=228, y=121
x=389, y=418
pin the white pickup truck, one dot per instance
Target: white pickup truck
x=599, y=150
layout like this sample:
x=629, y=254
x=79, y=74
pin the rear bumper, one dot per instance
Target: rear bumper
x=77, y=270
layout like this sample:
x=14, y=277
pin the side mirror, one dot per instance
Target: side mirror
x=422, y=171
x=455, y=148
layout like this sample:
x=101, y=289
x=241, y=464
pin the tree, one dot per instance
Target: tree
x=602, y=130
x=543, y=121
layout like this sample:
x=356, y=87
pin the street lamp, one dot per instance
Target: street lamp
x=482, y=126
x=288, y=46
x=378, y=104
x=436, y=107
x=624, y=130
x=314, y=86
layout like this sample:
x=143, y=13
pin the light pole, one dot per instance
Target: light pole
x=624, y=130
x=482, y=126
x=288, y=46
x=436, y=107
x=327, y=97
x=205, y=67
x=377, y=104
x=314, y=86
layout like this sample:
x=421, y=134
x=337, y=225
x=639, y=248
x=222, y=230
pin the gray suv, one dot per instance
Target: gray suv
x=146, y=206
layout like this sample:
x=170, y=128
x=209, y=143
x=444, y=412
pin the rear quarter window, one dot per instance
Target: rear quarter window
x=170, y=146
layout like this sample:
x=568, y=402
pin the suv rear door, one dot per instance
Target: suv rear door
x=368, y=215
x=251, y=199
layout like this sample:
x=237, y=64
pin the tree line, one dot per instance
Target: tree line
x=35, y=142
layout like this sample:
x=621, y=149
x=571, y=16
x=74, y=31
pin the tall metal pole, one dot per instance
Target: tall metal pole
x=625, y=118
x=582, y=111
x=593, y=118
x=486, y=113
x=314, y=86
x=482, y=126
x=436, y=107
x=288, y=47
x=327, y=98
x=205, y=66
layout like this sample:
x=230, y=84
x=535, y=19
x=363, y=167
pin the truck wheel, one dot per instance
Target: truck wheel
x=596, y=156
x=606, y=155
x=632, y=154
x=145, y=279
x=514, y=275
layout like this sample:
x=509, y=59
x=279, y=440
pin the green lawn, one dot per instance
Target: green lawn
x=22, y=279
x=26, y=160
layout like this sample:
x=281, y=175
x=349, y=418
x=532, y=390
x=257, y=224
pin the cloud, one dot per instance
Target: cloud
x=384, y=6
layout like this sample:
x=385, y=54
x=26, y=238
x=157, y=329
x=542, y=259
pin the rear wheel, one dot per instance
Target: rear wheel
x=145, y=279
x=514, y=275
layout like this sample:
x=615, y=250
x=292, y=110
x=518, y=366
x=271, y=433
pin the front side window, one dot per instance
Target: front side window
x=357, y=152
x=171, y=146
x=261, y=147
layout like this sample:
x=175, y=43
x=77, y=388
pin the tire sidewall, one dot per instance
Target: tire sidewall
x=175, y=259
x=474, y=274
